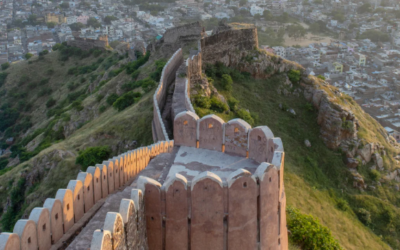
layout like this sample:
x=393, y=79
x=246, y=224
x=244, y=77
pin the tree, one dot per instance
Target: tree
x=76, y=26
x=64, y=5
x=28, y=55
x=365, y=8
x=267, y=15
x=108, y=19
x=93, y=22
x=93, y=155
x=375, y=36
x=227, y=82
x=294, y=75
x=5, y=66
x=296, y=31
x=51, y=25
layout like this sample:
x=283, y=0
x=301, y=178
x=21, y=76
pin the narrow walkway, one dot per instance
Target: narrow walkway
x=166, y=112
x=157, y=169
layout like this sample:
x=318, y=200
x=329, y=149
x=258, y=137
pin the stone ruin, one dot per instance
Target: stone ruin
x=217, y=185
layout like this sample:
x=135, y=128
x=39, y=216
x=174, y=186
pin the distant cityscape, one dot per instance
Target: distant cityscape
x=353, y=45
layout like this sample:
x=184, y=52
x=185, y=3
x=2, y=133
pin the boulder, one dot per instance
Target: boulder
x=351, y=163
x=378, y=160
x=307, y=143
x=366, y=152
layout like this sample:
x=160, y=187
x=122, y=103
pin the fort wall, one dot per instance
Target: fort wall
x=159, y=98
x=87, y=43
x=218, y=47
x=47, y=224
x=243, y=212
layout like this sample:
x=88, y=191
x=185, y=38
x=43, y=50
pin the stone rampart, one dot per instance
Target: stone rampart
x=47, y=224
x=216, y=48
x=87, y=43
x=234, y=137
x=159, y=98
x=243, y=212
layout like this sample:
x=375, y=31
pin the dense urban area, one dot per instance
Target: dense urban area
x=353, y=45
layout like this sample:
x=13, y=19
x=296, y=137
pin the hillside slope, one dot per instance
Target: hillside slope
x=358, y=202
x=55, y=108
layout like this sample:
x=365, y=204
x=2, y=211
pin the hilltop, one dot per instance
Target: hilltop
x=69, y=100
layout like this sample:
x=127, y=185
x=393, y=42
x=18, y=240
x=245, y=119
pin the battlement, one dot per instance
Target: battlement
x=87, y=44
x=47, y=225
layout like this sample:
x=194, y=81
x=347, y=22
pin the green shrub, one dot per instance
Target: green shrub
x=92, y=156
x=3, y=163
x=321, y=77
x=342, y=204
x=45, y=91
x=126, y=100
x=375, y=175
x=28, y=56
x=217, y=105
x=227, y=82
x=309, y=233
x=43, y=53
x=51, y=102
x=147, y=84
x=112, y=98
x=3, y=76
x=294, y=75
x=245, y=115
x=99, y=98
x=102, y=108
x=77, y=105
x=202, y=101
x=14, y=212
x=232, y=102
x=5, y=66
x=364, y=216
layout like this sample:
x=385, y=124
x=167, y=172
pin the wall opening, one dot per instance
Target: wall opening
x=259, y=138
x=79, y=197
x=245, y=184
x=67, y=207
x=210, y=125
x=44, y=227
x=236, y=131
x=185, y=123
x=56, y=216
x=29, y=240
x=88, y=188
x=97, y=180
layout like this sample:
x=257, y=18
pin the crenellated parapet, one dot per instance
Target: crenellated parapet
x=234, y=137
x=48, y=224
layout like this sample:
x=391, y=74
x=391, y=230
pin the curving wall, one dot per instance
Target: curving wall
x=159, y=98
x=46, y=225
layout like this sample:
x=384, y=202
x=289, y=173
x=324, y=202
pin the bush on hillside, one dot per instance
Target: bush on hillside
x=50, y=103
x=245, y=115
x=5, y=66
x=218, y=105
x=309, y=233
x=28, y=56
x=14, y=211
x=227, y=82
x=364, y=216
x=112, y=98
x=375, y=175
x=3, y=77
x=202, y=101
x=3, y=163
x=92, y=156
x=147, y=84
x=233, y=103
x=294, y=75
x=126, y=100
